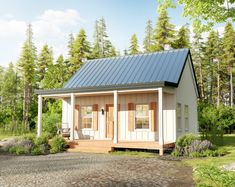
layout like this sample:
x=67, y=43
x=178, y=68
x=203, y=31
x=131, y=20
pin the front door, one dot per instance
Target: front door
x=109, y=121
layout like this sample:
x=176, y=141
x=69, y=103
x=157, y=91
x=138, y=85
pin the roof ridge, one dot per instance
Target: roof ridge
x=139, y=54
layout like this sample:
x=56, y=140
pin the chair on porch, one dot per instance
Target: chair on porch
x=64, y=132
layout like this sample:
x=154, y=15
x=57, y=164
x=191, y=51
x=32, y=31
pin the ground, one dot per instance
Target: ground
x=87, y=169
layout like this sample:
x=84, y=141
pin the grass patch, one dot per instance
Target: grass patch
x=4, y=136
x=228, y=144
x=139, y=154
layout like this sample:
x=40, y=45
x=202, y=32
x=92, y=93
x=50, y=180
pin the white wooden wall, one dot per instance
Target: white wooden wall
x=186, y=95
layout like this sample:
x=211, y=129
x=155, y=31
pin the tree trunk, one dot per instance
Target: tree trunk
x=218, y=85
x=231, y=87
x=201, y=80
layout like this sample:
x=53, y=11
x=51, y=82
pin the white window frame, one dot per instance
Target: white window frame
x=179, y=117
x=143, y=129
x=82, y=117
x=186, y=117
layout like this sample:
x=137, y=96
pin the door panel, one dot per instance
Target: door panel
x=109, y=121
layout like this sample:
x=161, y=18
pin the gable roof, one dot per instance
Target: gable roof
x=134, y=71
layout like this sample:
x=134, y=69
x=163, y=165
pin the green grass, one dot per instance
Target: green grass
x=4, y=136
x=229, y=145
x=135, y=154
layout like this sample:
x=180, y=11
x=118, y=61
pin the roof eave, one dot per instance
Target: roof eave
x=105, y=88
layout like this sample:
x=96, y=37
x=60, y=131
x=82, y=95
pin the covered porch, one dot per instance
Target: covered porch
x=108, y=144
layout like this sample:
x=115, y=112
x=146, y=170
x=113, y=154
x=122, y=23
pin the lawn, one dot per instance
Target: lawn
x=140, y=154
x=229, y=145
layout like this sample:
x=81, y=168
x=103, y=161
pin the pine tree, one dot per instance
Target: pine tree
x=102, y=46
x=229, y=56
x=182, y=38
x=70, y=45
x=148, y=40
x=9, y=93
x=45, y=60
x=197, y=56
x=56, y=77
x=134, y=47
x=164, y=32
x=27, y=68
x=211, y=58
x=81, y=51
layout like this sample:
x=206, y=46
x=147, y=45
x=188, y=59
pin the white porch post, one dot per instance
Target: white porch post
x=39, y=130
x=115, y=103
x=160, y=122
x=72, y=105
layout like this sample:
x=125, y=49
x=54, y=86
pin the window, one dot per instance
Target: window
x=178, y=115
x=86, y=117
x=142, y=116
x=186, y=116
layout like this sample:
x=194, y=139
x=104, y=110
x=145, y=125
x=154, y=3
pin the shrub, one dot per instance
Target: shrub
x=19, y=150
x=50, y=122
x=58, y=144
x=36, y=151
x=185, y=140
x=41, y=143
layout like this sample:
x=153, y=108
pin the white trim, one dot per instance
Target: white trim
x=160, y=117
x=101, y=92
x=115, y=104
x=72, y=105
x=39, y=130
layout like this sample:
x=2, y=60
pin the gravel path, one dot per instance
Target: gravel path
x=86, y=169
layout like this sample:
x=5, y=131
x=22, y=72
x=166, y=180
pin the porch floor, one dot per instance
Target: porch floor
x=105, y=146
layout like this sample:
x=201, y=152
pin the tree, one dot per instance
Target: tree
x=26, y=66
x=81, y=51
x=211, y=11
x=102, y=46
x=55, y=76
x=164, y=31
x=182, y=38
x=134, y=47
x=229, y=56
x=148, y=40
x=211, y=58
x=45, y=60
x=197, y=55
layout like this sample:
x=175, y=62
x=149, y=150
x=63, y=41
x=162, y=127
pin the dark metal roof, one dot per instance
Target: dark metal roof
x=143, y=71
x=163, y=66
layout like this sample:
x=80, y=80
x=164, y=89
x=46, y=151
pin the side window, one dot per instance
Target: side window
x=186, y=117
x=179, y=117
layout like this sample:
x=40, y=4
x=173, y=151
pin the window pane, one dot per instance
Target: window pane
x=86, y=116
x=142, y=117
x=178, y=114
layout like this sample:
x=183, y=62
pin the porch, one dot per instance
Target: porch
x=106, y=146
x=110, y=126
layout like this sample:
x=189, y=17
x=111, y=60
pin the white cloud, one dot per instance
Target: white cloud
x=51, y=27
x=58, y=17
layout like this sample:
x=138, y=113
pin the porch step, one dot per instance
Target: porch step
x=97, y=146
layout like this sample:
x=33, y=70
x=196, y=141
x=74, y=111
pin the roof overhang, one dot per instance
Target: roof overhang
x=105, y=88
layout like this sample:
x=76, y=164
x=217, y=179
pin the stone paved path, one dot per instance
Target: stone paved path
x=86, y=169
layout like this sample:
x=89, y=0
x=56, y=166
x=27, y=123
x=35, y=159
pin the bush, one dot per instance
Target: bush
x=19, y=150
x=41, y=143
x=36, y=151
x=58, y=144
x=50, y=123
x=215, y=177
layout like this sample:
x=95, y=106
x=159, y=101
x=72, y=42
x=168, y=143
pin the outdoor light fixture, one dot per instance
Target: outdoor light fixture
x=102, y=111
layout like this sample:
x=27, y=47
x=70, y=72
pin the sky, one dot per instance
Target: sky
x=53, y=20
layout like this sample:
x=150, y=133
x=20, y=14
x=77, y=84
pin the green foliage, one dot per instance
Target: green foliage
x=182, y=38
x=214, y=121
x=19, y=150
x=185, y=140
x=134, y=47
x=51, y=122
x=164, y=32
x=148, y=39
x=58, y=144
x=215, y=176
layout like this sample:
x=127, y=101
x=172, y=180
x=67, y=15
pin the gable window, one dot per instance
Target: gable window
x=178, y=116
x=86, y=117
x=142, y=116
x=186, y=117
